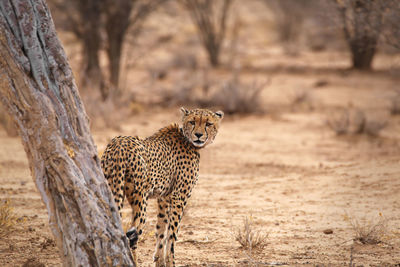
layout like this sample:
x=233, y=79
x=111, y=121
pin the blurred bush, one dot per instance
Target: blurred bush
x=235, y=96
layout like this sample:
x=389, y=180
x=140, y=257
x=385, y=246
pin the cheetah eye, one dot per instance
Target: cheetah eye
x=208, y=124
x=192, y=122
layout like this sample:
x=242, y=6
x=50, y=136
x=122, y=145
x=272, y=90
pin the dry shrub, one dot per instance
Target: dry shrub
x=355, y=121
x=301, y=99
x=373, y=127
x=197, y=88
x=188, y=92
x=8, y=219
x=109, y=113
x=184, y=60
x=248, y=237
x=369, y=231
x=300, y=96
x=237, y=97
x=339, y=122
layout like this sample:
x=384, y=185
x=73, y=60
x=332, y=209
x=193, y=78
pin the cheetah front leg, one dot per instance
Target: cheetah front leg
x=161, y=227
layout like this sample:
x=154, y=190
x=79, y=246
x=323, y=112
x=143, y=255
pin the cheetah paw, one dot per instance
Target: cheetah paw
x=133, y=237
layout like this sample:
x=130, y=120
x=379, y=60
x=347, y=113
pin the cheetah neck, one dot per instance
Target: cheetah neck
x=175, y=133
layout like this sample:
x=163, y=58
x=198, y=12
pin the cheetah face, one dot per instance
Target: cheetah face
x=200, y=126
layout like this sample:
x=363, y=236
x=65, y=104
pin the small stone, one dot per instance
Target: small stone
x=328, y=231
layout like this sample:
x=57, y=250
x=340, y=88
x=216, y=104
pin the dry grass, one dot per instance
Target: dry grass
x=369, y=231
x=250, y=238
x=8, y=219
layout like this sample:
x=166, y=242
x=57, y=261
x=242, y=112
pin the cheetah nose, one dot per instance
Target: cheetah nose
x=198, y=135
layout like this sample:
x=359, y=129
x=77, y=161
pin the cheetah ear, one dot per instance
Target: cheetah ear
x=184, y=111
x=220, y=114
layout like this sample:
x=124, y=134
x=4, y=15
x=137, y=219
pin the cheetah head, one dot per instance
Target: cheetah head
x=200, y=126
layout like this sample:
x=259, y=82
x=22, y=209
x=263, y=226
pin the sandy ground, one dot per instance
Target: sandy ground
x=285, y=170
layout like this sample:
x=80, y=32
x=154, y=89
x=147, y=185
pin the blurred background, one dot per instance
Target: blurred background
x=305, y=167
x=254, y=56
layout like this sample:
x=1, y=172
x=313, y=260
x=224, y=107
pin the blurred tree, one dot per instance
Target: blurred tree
x=210, y=17
x=289, y=16
x=88, y=31
x=392, y=24
x=96, y=21
x=362, y=22
x=38, y=90
x=83, y=18
x=120, y=15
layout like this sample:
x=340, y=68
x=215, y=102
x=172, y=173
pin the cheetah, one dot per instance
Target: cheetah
x=164, y=166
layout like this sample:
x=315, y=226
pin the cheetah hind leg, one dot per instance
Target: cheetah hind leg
x=162, y=221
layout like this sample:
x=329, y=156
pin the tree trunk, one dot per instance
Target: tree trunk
x=363, y=52
x=213, y=52
x=117, y=23
x=92, y=76
x=38, y=90
x=362, y=23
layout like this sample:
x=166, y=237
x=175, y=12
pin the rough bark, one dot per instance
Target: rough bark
x=38, y=90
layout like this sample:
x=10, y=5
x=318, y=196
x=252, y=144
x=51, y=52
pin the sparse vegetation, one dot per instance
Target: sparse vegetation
x=301, y=98
x=8, y=219
x=238, y=97
x=369, y=231
x=355, y=121
x=248, y=237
